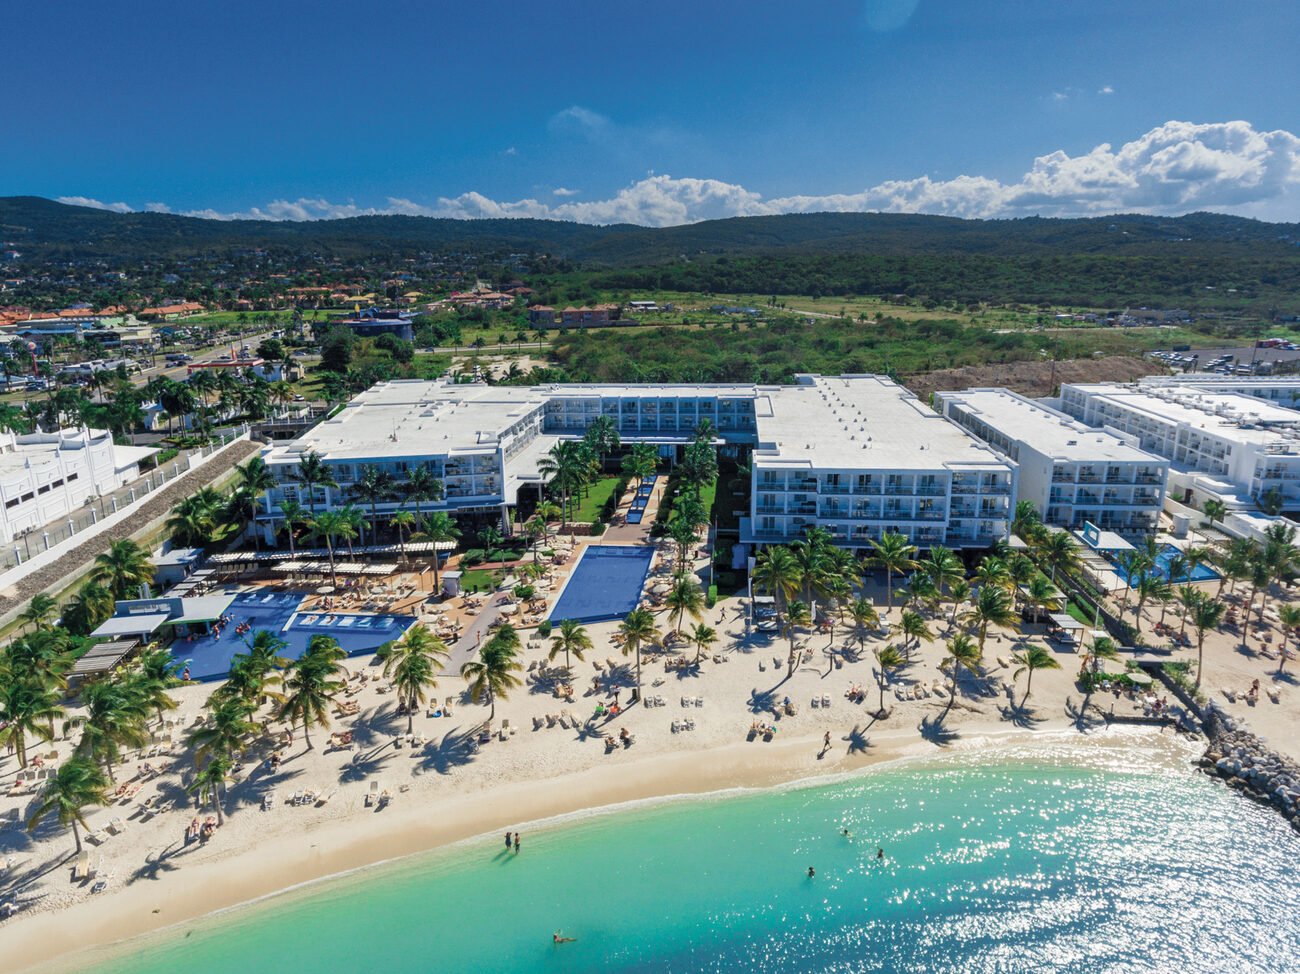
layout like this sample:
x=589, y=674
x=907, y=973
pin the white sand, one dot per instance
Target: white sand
x=156, y=881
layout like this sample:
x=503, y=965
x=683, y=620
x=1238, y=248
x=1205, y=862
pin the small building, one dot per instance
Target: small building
x=373, y=322
x=541, y=316
x=164, y=618
x=173, y=565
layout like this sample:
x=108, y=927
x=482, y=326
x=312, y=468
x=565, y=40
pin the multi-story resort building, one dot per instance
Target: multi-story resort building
x=1071, y=473
x=1283, y=390
x=1223, y=446
x=47, y=476
x=856, y=455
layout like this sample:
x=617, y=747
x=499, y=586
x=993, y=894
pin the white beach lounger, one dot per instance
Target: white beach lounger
x=826, y=700
x=816, y=701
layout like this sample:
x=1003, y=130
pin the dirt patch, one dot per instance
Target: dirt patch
x=1034, y=378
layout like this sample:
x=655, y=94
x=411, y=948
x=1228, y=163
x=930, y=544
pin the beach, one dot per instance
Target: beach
x=447, y=785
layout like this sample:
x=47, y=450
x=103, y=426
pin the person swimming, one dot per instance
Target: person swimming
x=880, y=853
x=846, y=833
x=558, y=938
x=811, y=872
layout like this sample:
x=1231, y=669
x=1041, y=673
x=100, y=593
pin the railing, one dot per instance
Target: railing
x=833, y=489
x=84, y=518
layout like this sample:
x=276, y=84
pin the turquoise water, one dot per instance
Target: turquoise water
x=1014, y=861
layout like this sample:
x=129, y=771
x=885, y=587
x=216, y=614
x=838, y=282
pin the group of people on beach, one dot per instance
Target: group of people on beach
x=512, y=841
x=201, y=832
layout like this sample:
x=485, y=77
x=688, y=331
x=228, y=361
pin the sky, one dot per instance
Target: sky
x=611, y=111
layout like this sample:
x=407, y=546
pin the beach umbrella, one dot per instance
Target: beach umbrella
x=1140, y=678
x=325, y=590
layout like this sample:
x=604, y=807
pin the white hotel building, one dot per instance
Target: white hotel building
x=1223, y=446
x=1070, y=472
x=45, y=477
x=857, y=455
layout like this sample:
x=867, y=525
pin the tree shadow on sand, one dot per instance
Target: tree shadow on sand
x=1021, y=715
x=456, y=749
x=934, y=730
x=857, y=740
x=1085, y=714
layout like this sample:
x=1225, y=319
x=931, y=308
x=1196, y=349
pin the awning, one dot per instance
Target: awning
x=1065, y=621
x=141, y=625
x=203, y=608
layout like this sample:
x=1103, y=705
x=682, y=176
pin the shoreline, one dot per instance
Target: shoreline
x=72, y=938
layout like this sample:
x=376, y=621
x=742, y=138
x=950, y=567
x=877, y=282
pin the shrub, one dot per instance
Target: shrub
x=524, y=592
x=597, y=528
x=544, y=628
x=712, y=598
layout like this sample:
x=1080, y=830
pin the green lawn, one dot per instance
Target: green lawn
x=480, y=580
x=591, y=505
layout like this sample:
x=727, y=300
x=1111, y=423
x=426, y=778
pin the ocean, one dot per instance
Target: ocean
x=1005, y=859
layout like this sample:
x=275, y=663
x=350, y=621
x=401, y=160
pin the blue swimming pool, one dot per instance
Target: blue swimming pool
x=606, y=583
x=1203, y=573
x=208, y=657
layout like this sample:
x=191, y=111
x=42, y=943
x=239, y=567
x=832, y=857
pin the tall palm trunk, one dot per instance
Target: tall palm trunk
x=76, y=836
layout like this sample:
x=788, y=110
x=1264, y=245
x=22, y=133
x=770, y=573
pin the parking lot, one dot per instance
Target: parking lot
x=1244, y=359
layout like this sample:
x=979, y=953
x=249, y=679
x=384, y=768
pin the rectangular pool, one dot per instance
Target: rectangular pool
x=208, y=657
x=606, y=583
x=1168, y=552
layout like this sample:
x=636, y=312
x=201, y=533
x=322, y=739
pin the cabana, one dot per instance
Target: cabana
x=1064, y=629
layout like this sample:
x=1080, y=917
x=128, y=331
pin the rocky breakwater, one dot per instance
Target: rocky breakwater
x=1246, y=763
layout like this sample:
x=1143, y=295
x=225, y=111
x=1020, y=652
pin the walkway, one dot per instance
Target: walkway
x=69, y=566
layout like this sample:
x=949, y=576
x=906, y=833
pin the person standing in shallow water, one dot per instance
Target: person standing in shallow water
x=516, y=842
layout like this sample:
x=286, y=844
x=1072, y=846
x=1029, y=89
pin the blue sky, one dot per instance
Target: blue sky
x=656, y=113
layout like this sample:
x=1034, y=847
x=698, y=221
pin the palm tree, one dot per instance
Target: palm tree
x=38, y=611
x=962, y=652
x=1207, y=615
x=1026, y=520
x=992, y=607
x=994, y=572
x=75, y=786
x=439, y=527
x=313, y=472
x=565, y=469
x=893, y=553
x=116, y=716
x=155, y=674
x=702, y=636
x=327, y=526
x=1150, y=588
x=413, y=664
x=492, y=675
x=1030, y=661
x=403, y=521
x=638, y=629
x=571, y=639
x=227, y=729
x=914, y=627
x=256, y=478
x=959, y=591
x=777, y=573
x=420, y=486
x=684, y=598
x=28, y=706
x=1289, y=617
x=122, y=569
x=88, y=609
x=210, y=781
x=311, y=686
x=1041, y=594
x=602, y=437
x=292, y=513
x=797, y=617
x=1215, y=510
x=1130, y=563
x=1188, y=596
x=888, y=659
x=865, y=619
x=944, y=567
x=1060, y=552
x=374, y=485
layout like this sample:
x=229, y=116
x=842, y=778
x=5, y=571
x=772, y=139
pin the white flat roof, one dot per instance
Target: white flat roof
x=1051, y=433
x=859, y=421
x=1179, y=406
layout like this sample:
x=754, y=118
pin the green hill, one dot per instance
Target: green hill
x=43, y=228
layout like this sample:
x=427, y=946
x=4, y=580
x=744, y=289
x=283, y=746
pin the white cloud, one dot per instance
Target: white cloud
x=565, y=191
x=1105, y=90
x=512, y=151
x=1176, y=167
x=96, y=204
x=1060, y=95
x=157, y=208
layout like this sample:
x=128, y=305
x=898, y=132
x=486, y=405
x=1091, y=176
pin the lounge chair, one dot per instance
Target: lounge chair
x=826, y=700
x=81, y=867
x=372, y=796
x=816, y=702
x=1231, y=695
x=699, y=701
x=539, y=723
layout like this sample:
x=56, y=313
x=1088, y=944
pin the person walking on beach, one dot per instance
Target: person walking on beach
x=516, y=842
x=826, y=743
